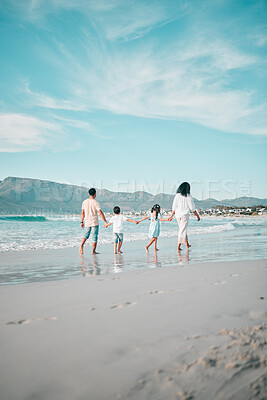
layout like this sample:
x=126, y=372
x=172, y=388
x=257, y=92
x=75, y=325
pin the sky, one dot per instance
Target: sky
x=136, y=95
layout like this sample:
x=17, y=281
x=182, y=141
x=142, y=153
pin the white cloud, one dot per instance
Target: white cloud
x=177, y=85
x=82, y=125
x=20, y=132
x=46, y=101
x=217, y=54
x=131, y=20
x=260, y=39
x=194, y=76
x=180, y=84
x=116, y=19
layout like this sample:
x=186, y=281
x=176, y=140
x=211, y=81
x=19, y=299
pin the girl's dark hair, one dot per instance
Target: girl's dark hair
x=184, y=189
x=156, y=208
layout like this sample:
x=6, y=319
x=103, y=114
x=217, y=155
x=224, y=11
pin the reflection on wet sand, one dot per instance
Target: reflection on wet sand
x=89, y=268
x=153, y=260
x=94, y=265
x=183, y=258
x=118, y=263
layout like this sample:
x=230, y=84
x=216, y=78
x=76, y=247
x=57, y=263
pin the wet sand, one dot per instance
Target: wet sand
x=189, y=331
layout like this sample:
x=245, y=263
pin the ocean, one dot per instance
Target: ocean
x=212, y=239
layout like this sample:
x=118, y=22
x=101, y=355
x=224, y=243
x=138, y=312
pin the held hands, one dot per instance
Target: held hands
x=136, y=222
x=106, y=225
x=170, y=218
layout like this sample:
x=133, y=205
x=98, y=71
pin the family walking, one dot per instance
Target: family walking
x=182, y=205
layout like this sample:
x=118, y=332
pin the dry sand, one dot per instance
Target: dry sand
x=182, y=332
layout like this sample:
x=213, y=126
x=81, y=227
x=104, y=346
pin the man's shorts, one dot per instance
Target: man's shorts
x=117, y=237
x=91, y=230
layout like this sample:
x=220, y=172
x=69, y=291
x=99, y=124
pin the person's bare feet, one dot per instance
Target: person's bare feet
x=179, y=248
x=81, y=250
x=187, y=246
x=115, y=252
x=156, y=249
x=120, y=251
x=95, y=252
x=146, y=249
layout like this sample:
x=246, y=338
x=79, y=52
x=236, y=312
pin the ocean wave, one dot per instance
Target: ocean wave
x=247, y=222
x=67, y=218
x=23, y=218
x=25, y=242
x=212, y=229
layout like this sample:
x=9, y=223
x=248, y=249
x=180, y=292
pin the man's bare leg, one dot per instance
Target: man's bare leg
x=94, y=244
x=115, y=248
x=179, y=247
x=81, y=246
x=149, y=244
x=119, y=247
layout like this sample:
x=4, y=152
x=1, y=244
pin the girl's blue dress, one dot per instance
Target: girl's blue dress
x=154, y=228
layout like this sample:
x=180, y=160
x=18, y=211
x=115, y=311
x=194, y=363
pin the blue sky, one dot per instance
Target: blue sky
x=132, y=95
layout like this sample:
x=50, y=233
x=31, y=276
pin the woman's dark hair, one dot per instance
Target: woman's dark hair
x=92, y=191
x=184, y=189
x=116, y=210
x=156, y=208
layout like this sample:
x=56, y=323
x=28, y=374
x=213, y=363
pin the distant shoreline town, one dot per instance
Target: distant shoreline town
x=222, y=211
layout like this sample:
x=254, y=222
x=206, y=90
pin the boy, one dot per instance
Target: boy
x=117, y=221
x=90, y=208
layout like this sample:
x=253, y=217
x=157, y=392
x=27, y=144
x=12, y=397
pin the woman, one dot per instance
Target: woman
x=183, y=203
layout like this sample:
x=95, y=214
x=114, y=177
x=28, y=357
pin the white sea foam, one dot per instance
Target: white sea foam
x=52, y=235
x=64, y=218
x=248, y=222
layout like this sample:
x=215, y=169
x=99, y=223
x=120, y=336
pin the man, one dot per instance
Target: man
x=90, y=208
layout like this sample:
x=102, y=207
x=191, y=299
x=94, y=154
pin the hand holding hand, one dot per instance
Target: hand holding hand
x=136, y=222
x=106, y=225
x=170, y=219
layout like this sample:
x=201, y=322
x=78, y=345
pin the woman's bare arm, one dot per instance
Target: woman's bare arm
x=171, y=216
x=197, y=215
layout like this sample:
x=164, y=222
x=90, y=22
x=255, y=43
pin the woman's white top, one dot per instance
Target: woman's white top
x=183, y=205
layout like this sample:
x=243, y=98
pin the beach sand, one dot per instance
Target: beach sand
x=188, y=331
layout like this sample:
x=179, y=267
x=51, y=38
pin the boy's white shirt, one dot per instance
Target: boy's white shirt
x=117, y=221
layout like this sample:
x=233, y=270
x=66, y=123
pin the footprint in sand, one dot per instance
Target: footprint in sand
x=28, y=320
x=156, y=292
x=127, y=304
x=219, y=283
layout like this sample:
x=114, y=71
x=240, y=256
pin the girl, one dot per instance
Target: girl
x=183, y=203
x=154, y=228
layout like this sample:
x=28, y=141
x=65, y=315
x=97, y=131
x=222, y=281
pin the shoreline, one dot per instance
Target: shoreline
x=63, y=234
x=66, y=263
x=190, y=332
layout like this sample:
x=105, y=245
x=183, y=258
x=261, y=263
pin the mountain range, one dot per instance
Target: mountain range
x=28, y=196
